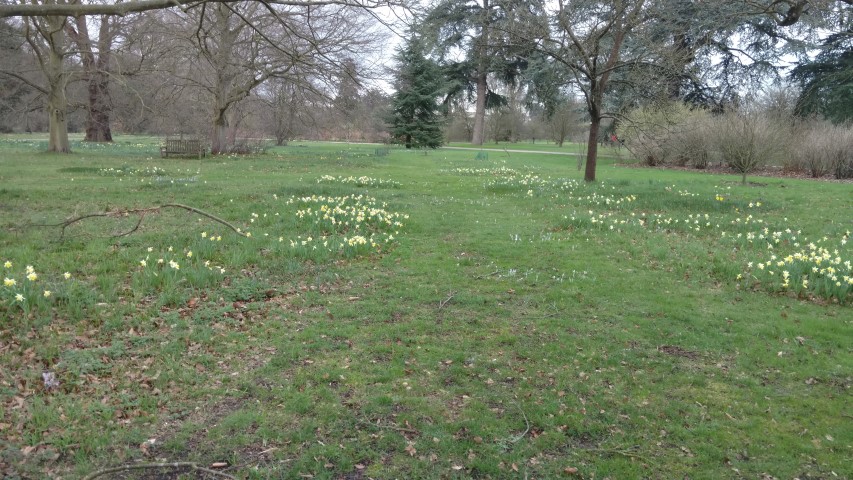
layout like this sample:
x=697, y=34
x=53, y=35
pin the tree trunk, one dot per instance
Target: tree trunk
x=96, y=75
x=592, y=148
x=480, y=110
x=57, y=78
x=98, y=118
x=219, y=137
x=57, y=105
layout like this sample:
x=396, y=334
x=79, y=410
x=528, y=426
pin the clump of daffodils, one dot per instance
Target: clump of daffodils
x=27, y=289
x=812, y=269
x=494, y=172
x=362, y=181
x=347, y=226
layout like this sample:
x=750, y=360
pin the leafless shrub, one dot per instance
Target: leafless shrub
x=647, y=132
x=748, y=141
x=668, y=134
x=811, y=151
x=822, y=148
x=693, y=142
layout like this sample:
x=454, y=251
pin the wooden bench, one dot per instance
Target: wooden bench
x=180, y=146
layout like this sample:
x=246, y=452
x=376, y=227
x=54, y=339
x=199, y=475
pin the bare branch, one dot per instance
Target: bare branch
x=25, y=81
x=141, y=212
x=136, y=6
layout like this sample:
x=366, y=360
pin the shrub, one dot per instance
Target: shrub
x=693, y=141
x=823, y=148
x=841, y=152
x=748, y=141
x=667, y=133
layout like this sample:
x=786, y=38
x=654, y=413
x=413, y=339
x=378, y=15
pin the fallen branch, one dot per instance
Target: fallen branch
x=144, y=466
x=141, y=212
x=135, y=228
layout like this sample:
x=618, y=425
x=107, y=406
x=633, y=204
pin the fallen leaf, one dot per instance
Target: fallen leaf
x=570, y=470
x=514, y=467
x=218, y=464
x=410, y=449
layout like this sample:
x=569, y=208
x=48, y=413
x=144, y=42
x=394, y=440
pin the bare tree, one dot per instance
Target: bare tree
x=46, y=37
x=589, y=39
x=95, y=56
x=227, y=50
x=20, y=85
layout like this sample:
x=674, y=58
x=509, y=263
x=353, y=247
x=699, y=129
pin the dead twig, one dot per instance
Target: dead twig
x=618, y=451
x=141, y=212
x=496, y=272
x=444, y=302
x=144, y=466
x=518, y=437
x=390, y=427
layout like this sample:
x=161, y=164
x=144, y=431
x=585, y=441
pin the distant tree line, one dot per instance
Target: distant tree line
x=471, y=70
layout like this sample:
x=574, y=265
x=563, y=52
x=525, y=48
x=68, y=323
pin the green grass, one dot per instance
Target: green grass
x=517, y=323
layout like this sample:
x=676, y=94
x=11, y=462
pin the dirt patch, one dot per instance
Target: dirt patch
x=677, y=351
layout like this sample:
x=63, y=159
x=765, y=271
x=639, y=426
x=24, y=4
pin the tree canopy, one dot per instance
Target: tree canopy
x=827, y=82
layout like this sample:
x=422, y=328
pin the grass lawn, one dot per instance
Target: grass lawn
x=411, y=315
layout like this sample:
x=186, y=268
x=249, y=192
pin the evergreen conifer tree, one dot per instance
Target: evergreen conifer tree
x=415, y=119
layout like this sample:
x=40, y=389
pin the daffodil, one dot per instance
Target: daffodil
x=66, y=275
x=47, y=293
x=19, y=297
x=7, y=264
x=9, y=282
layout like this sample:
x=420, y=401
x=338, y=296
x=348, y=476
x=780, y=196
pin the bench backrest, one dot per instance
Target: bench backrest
x=177, y=145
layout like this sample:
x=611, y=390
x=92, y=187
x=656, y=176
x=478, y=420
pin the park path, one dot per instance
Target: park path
x=504, y=150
